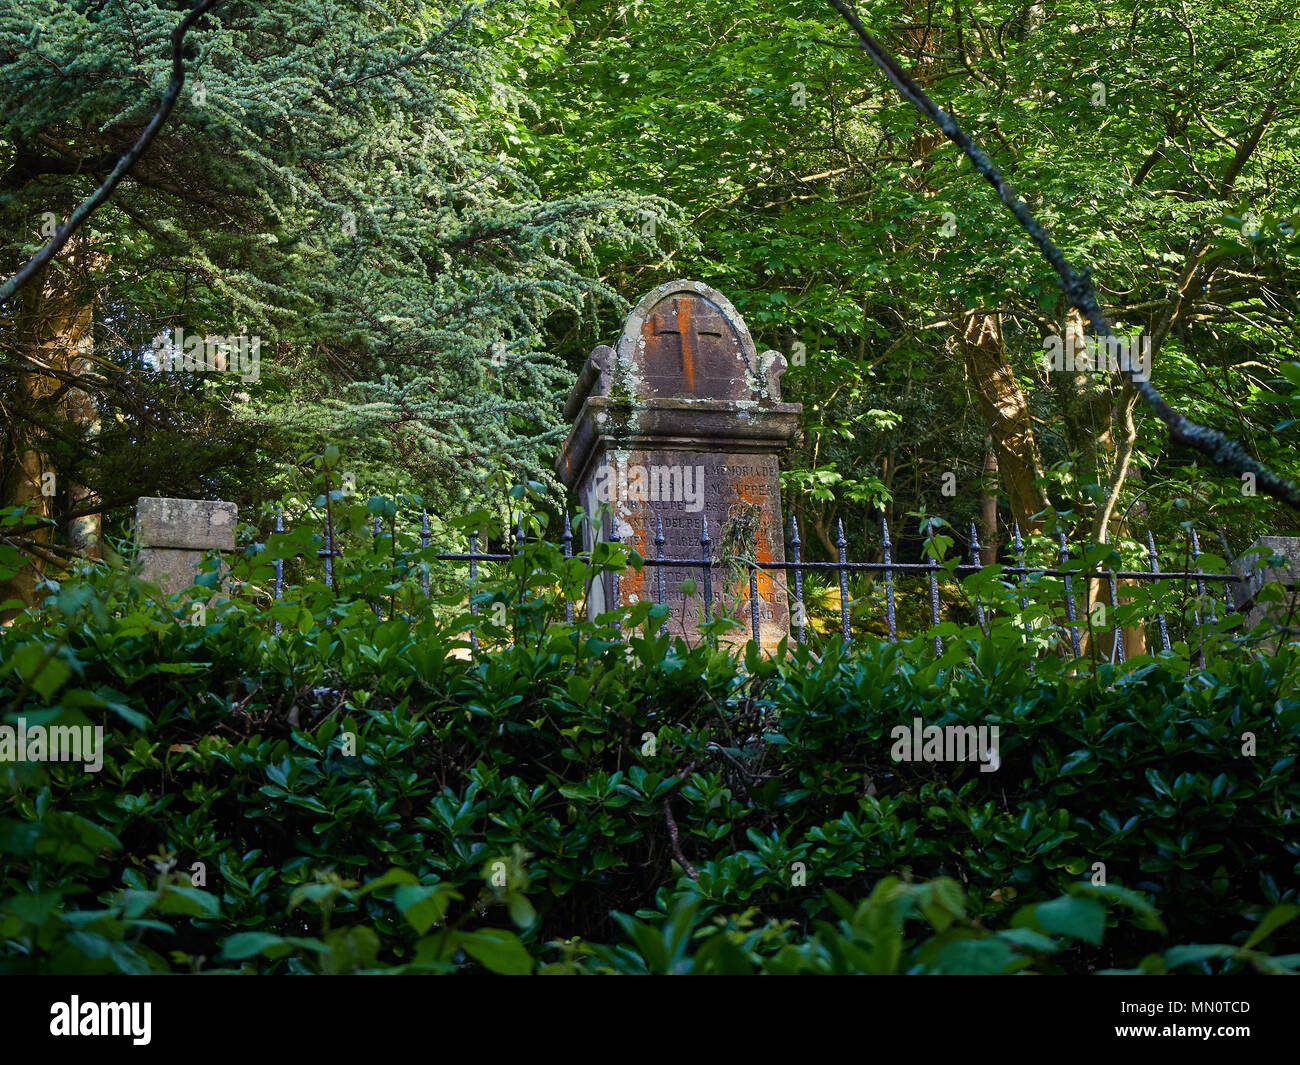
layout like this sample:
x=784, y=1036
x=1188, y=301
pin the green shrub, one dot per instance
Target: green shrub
x=565, y=775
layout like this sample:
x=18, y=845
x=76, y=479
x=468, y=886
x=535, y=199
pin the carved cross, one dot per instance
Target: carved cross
x=689, y=319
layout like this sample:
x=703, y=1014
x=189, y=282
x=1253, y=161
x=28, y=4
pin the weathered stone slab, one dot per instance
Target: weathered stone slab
x=175, y=535
x=192, y=524
x=683, y=421
x=171, y=568
x=1254, y=573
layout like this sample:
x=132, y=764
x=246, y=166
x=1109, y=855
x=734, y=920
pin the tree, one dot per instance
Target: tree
x=331, y=185
x=842, y=227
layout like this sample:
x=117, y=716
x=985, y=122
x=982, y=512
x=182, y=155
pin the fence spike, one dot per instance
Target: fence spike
x=659, y=569
x=329, y=554
x=1117, y=648
x=279, y=563
x=1070, y=611
x=1199, y=656
x=379, y=612
x=473, y=578
x=1020, y=569
x=1022, y=574
x=1200, y=581
x=566, y=539
x=933, y=579
x=618, y=597
x=424, y=546
x=889, y=579
x=1155, y=568
x=841, y=545
x=707, y=559
x=799, y=608
x=976, y=560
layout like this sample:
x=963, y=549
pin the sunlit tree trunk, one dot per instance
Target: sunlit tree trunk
x=989, y=509
x=1006, y=415
x=50, y=340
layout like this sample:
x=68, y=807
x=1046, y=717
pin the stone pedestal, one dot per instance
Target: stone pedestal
x=683, y=421
x=1254, y=573
x=174, y=535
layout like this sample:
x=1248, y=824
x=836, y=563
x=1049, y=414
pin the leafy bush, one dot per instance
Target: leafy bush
x=873, y=937
x=358, y=793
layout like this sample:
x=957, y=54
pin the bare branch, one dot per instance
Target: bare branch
x=676, y=844
x=1223, y=452
x=97, y=198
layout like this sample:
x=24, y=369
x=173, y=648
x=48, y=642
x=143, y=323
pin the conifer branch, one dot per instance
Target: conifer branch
x=97, y=198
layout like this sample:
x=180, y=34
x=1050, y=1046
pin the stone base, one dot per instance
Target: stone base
x=172, y=569
x=1254, y=573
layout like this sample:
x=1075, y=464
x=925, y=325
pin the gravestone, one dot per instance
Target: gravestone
x=683, y=421
x=174, y=535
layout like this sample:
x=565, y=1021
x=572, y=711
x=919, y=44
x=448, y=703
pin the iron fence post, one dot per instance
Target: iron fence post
x=841, y=545
x=1154, y=562
x=1070, y=611
x=798, y=580
x=975, y=560
x=567, y=541
x=890, y=617
x=659, y=569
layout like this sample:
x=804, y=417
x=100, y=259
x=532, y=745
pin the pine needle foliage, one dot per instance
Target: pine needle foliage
x=337, y=179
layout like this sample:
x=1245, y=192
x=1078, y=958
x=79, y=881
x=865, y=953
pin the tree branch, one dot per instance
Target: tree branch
x=97, y=198
x=1078, y=289
x=676, y=845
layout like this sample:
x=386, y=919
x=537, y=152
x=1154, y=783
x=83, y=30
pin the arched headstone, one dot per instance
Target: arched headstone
x=683, y=420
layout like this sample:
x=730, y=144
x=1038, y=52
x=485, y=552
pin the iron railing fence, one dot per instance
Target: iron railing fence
x=1067, y=569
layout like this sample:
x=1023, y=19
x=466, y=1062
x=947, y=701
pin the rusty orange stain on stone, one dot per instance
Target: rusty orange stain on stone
x=762, y=545
x=687, y=331
x=636, y=577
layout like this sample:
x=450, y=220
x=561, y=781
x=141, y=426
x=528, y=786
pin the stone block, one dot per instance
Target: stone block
x=188, y=524
x=171, y=568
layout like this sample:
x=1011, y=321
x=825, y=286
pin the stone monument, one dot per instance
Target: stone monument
x=681, y=422
x=175, y=534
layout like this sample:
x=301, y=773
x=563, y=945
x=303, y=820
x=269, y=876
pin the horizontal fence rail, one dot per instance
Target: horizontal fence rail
x=1016, y=572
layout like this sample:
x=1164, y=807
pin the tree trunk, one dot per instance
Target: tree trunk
x=1006, y=414
x=1087, y=405
x=1124, y=442
x=989, y=509
x=52, y=334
